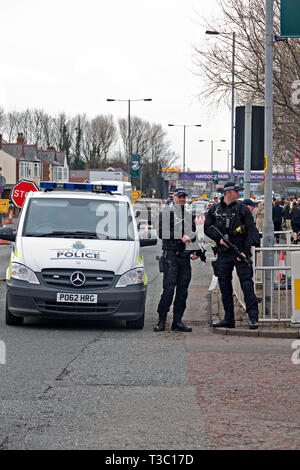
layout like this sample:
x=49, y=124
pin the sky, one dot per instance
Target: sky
x=71, y=55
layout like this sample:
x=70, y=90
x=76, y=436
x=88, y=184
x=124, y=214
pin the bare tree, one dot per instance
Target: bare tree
x=214, y=64
x=2, y=120
x=100, y=136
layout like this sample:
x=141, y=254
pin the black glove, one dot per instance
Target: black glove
x=201, y=254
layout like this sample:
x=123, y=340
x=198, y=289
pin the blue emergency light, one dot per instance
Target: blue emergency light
x=50, y=185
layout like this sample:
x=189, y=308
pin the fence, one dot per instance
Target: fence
x=276, y=303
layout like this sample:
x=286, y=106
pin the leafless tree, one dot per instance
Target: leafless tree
x=2, y=120
x=100, y=136
x=213, y=60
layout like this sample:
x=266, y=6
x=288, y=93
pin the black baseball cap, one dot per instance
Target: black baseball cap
x=249, y=202
x=180, y=192
x=231, y=186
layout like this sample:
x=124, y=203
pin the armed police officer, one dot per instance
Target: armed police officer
x=177, y=230
x=234, y=221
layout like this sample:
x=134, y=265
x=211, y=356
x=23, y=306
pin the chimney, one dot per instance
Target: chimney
x=20, y=139
x=0, y=141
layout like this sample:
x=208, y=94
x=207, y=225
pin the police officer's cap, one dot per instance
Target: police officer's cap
x=180, y=192
x=231, y=186
x=249, y=202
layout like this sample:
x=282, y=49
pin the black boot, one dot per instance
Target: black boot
x=253, y=324
x=179, y=326
x=224, y=324
x=161, y=323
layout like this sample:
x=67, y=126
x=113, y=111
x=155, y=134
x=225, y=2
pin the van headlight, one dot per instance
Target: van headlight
x=22, y=273
x=135, y=276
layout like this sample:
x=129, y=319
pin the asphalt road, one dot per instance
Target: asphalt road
x=68, y=385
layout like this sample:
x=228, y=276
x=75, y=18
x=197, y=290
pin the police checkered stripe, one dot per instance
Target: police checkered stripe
x=228, y=188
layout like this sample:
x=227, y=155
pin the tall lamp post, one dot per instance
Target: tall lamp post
x=129, y=130
x=228, y=154
x=212, y=151
x=232, y=92
x=184, y=126
x=212, y=156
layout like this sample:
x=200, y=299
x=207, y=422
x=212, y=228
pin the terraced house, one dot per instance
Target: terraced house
x=26, y=161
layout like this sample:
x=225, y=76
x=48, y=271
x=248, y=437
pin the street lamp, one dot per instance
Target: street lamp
x=212, y=151
x=224, y=150
x=129, y=133
x=232, y=91
x=184, y=126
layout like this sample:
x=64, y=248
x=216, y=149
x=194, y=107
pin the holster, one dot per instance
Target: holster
x=162, y=262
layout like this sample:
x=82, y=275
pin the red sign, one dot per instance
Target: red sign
x=20, y=191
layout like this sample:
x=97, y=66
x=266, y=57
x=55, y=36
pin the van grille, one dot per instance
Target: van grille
x=94, y=278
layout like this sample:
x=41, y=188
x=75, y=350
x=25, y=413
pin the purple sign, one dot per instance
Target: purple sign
x=255, y=177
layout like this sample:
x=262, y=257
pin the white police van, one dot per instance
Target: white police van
x=76, y=254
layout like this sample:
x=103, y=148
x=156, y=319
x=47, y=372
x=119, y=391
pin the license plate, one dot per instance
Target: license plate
x=77, y=298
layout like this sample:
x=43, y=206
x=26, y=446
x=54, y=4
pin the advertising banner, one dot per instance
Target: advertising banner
x=135, y=165
x=255, y=177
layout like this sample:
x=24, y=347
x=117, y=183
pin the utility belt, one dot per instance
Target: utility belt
x=163, y=261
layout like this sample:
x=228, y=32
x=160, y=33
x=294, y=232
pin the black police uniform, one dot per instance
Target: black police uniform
x=177, y=266
x=235, y=220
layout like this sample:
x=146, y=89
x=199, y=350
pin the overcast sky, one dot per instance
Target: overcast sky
x=71, y=55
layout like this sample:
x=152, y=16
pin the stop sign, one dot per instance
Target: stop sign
x=20, y=190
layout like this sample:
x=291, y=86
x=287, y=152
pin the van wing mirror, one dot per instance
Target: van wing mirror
x=6, y=233
x=137, y=213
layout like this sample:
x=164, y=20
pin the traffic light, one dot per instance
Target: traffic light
x=257, y=138
x=215, y=177
x=241, y=182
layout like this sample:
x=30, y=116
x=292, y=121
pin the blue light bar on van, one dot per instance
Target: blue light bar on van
x=50, y=185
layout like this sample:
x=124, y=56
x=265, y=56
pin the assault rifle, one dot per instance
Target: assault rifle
x=231, y=245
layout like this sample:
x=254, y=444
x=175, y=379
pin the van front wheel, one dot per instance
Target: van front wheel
x=136, y=324
x=11, y=319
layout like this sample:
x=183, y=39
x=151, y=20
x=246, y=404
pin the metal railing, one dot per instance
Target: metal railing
x=276, y=304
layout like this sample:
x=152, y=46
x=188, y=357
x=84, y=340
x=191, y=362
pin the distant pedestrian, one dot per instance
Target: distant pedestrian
x=286, y=216
x=259, y=217
x=251, y=206
x=295, y=221
x=277, y=219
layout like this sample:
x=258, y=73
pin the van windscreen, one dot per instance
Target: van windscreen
x=75, y=217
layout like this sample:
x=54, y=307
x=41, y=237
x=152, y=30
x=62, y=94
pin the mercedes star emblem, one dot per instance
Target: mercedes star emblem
x=77, y=279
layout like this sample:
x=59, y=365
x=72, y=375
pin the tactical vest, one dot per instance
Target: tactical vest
x=228, y=219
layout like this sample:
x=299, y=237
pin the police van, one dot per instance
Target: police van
x=76, y=254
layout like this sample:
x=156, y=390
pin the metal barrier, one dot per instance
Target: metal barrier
x=275, y=305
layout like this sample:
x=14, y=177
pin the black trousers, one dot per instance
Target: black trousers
x=277, y=228
x=225, y=263
x=177, y=275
